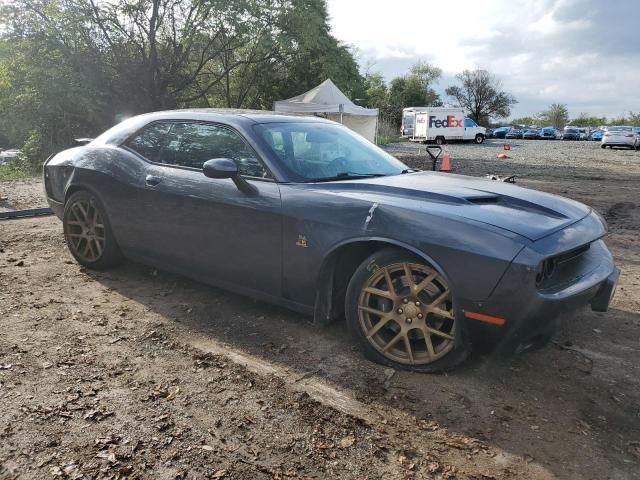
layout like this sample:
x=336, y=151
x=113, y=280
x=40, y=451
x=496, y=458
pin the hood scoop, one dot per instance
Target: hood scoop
x=488, y=200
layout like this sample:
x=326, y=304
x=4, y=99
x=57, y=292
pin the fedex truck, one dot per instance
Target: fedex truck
x=440, y=125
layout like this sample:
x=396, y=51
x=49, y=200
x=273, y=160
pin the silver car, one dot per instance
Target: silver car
x=620, y=137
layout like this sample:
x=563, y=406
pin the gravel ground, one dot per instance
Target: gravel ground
x=134, y=373
x=22, y=194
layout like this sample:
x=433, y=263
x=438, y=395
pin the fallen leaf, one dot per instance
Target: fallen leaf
x=208, y=448
x=46, y=365
x=634, y=449
x=219, y=474
x=56, y=471
x=346, y=442
x=110, y=456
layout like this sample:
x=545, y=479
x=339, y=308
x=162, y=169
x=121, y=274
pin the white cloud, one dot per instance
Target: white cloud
x=585, y=53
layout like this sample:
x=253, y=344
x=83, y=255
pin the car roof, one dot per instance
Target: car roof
x=220, y=114
x=233, y=117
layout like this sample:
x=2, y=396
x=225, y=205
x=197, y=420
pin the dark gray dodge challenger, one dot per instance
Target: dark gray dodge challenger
x=304, y=213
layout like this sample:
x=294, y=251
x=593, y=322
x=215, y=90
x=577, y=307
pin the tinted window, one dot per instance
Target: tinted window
x=469, y=123
x=191, y=144
x=150, y=141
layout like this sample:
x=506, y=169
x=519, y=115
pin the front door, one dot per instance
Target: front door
x=208, y=228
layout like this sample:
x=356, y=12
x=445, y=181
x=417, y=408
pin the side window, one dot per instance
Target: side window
x=150, y=141
x=469, y=123
x=191, y=144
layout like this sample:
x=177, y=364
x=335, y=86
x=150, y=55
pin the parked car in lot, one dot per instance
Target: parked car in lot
x=7, y=156
x=584, y=134
x=571, y=134
x=596, y=135
x=304, y=213
x=514, y=133
x=531, y=134
x=549, y=133
x=500, y=132
x=620, y=136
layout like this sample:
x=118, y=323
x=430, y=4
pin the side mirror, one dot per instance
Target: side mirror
x=227, y=168
x=220, y=168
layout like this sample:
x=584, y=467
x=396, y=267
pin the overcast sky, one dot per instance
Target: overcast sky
x=584, y=53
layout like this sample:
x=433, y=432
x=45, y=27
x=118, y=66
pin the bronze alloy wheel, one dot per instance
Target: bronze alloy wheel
x=85, y=230
x=406, y=313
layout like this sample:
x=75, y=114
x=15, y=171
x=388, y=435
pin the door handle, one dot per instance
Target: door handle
x=152, y=180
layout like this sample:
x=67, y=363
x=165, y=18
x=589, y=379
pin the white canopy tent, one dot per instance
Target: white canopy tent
x=327, y=99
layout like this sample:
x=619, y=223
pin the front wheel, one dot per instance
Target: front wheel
x=479, y=138
x=88, y=233
x=400, y=313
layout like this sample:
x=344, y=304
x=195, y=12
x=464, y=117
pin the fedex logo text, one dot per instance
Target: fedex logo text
x=450, y=121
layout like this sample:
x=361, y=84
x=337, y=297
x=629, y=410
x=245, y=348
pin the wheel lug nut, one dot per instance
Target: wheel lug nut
x=420, y=315
x=399, y=310
x=417, y=304
x=409, y=320
x=404, y=300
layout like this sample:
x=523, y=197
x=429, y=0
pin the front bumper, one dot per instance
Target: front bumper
x=530, y=311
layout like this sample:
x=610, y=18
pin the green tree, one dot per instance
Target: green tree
x=634, y=119
x=72, y=68
x=526, y=121
x=586, y=120
x=557, y=115
x=413, y=90
x=480, y=94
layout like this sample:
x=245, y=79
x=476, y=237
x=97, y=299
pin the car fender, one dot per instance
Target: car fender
x=324, y=308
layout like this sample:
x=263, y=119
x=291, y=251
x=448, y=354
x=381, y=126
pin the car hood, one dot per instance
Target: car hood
x=529, y=213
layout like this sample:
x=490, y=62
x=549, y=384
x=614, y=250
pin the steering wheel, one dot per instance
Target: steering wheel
x=338, y=165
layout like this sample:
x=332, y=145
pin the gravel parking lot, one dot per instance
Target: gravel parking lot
x=134, y=373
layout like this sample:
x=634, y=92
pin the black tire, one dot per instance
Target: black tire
x=433, y=341
x=603, y=146
x=479, y=139
x=440, y=141
x=80, y=238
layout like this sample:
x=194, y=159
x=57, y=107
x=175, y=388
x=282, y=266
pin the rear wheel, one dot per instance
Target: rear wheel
x=400, y=313
x=88, y=233
x=603, y=146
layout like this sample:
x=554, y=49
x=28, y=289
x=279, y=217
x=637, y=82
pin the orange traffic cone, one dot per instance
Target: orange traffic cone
x=445, y=165
x=506, y=147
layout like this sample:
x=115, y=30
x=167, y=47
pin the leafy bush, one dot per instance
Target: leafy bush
x=14, y=171
x=34, y=151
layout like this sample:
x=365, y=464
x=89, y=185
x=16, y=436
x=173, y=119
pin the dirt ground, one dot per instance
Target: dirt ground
x=135, y=373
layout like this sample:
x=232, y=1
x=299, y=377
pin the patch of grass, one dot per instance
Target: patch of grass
x=387, y=133
x=386, y=139
x=11, y=172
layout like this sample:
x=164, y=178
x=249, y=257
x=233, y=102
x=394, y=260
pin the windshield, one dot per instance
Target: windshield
x=319, y=151
x=408, y=120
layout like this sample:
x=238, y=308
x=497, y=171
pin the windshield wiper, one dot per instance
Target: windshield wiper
x=347, y=176
x=410, y=170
